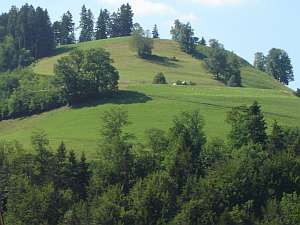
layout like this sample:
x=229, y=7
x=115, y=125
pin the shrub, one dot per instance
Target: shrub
x=234, y=81
x=159, y=79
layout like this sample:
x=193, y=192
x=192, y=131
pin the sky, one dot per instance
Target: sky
x=243, y=26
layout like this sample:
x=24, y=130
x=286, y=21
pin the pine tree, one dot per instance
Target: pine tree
x=277, y=141
x=125, y=19
x=57, y=32
x=102, y=25
x=61, y=162
x=83, y=177
x=67, y=29
x=44, y=39
x=256, y=125
x=86, y=25
x=155, y=33
x=12, y=21
x=114, y=25
x=72, y=174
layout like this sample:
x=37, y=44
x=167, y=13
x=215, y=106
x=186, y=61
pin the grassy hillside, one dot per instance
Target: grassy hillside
x=134, y=70
x=154, y=106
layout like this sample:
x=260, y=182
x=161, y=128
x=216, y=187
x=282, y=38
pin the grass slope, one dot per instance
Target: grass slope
x=154, y=106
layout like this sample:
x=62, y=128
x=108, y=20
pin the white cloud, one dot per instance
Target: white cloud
x=217, y=2
x=144, y=7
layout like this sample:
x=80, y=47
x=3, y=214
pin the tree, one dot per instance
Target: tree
x=114, y=25
x=277, y=141
x=44, y=40
x=125, y=15
x=85, y=74
x=67, y=29
x=83, y=178
x=247, y=126
x=57, y=32
x=233, y=76
x=298, y=92
x=102, y=25
x=187, y=140
x=159, y=79
x=86, y=25
x=260, y=61
x=140, y=43
x=152, y=200
x=155, y=33
x=223, y=65
x=202, y=41
x=217, y=62
x=116, y=148
x=109, y=208
x=279, y=66
x=44, y=158
x=184, y=35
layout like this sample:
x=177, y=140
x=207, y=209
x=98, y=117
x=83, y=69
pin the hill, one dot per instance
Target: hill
x=154, y=106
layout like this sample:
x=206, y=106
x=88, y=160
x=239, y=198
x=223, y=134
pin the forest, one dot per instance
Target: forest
x=174, y=177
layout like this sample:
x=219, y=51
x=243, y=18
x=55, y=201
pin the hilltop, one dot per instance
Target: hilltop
x=154, y=106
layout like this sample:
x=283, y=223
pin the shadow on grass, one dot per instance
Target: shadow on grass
x=163, y=61
x=120, y=98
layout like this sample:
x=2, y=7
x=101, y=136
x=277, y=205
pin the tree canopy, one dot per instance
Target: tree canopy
x=85, y=74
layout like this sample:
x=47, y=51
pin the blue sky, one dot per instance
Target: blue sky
x=243, y=26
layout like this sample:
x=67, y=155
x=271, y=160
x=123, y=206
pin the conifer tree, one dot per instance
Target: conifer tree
x=125, y=19
x=277, y=140
x=86, y=25
x=155, y=33
x=102, y=25
x=67, y=29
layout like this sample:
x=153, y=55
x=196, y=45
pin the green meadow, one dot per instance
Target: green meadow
x=154, y=106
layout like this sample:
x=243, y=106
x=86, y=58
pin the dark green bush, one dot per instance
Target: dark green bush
x=159, y=79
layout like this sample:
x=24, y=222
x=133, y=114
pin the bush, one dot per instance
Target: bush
x=159, y=79
x=23, y=93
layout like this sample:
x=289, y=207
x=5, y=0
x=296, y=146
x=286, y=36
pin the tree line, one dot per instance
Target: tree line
x=175, y=177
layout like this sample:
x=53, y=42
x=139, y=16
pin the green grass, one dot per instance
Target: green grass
x=154, y=106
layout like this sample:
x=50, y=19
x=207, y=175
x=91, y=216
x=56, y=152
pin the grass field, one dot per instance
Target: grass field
x=154, y=106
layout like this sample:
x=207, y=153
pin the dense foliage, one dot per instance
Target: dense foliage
x=82, y=75
x=86, y=74
x=223, y=65
x=25, y=33
x=176, y=177
x=24, y=93
x=64, y=30
x=184, y=35
x=277, y=63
